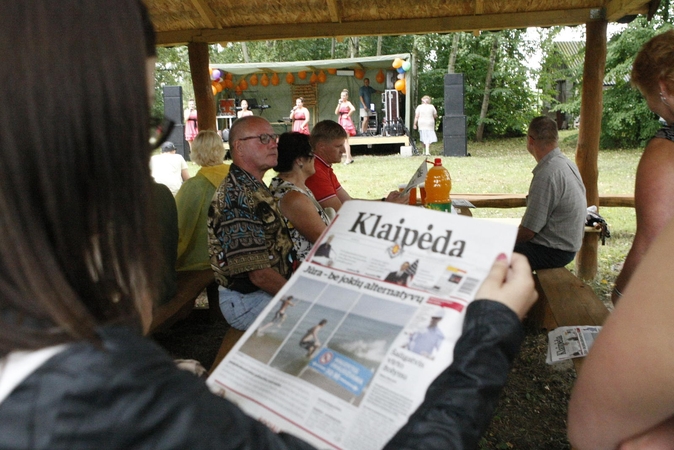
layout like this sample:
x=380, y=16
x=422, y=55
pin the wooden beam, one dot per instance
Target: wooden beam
x=335, y=13
x=384, y=27
x=617, y=9
x=587, y=150
x=206, y=13
x=479, y=7
x=201, y=81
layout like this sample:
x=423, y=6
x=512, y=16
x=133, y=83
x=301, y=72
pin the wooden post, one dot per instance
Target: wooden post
x=587, y=150
x=201, y=81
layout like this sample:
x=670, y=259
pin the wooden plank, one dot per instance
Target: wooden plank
x=617, y=9
x=206, y=13
x=189, y=285
x=519, y=200
x=427, y=25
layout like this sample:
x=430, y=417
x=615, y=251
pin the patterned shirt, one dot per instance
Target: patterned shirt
x=279, y=188
x=246, y=232
x=666, y=132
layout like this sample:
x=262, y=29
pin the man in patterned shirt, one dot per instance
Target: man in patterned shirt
x=552, y=228
x=250, y=247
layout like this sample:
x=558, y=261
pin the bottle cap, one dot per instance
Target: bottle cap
x=438, y=162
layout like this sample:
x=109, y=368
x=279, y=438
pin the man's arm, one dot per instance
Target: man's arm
x=267, y=279
x=337, y=201
x=185, y=174
x=524, y=235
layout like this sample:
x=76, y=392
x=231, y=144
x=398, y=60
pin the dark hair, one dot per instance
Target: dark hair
x=290, y=147
x=544, y=130
x=326, y=130
x=76, y=249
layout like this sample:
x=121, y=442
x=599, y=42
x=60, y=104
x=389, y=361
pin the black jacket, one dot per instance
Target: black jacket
x=130, y=395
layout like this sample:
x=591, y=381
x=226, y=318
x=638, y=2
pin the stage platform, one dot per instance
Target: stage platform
x=369, y=141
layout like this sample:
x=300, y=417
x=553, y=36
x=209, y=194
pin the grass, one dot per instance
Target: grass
x=504, y=166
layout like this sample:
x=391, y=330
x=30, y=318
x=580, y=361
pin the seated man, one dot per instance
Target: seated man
x=250, y=247
x=552, y=228
x=169, y=168
x=327, y=140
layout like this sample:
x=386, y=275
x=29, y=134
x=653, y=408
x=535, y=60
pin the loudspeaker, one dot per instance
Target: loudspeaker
x=173, y=109
x=454, y=94
x=454, y=125
x=455, y=145
x=173, y=103
x=391, y=104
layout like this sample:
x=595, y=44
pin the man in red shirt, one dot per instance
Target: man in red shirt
x=327, y=140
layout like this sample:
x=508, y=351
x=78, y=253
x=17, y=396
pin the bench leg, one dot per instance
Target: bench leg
x=540, y=315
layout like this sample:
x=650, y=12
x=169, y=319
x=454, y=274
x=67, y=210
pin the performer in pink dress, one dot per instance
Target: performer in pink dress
x=344, y=110
x=191, y=129
x=300, y=117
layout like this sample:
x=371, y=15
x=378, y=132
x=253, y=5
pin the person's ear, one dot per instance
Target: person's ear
x=664, y=90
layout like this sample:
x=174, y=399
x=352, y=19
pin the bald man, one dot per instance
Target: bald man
x=250, y=247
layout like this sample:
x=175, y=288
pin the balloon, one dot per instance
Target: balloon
x=332, y=71
x=359, y=74
x=404, y=90
x=314, y=78
x=218, y=87
x=229, y=84
x=290, y=78
x=380, y=76
x=302, y=74
x=264, y=81
x=400, y=70
x=400, y=85
x=253, y=80
x=275, y=79
x=400, y=76
x=215, y=91
x=322, y=77
x=243, y=84
x=215, y=75
x=407, y=66
x=228, y=76
x=397, y=63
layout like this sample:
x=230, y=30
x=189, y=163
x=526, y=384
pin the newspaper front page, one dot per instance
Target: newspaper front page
x=570, y=342
x=344, y=353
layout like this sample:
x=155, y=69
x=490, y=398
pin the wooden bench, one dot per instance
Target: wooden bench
x=564, y=300
x=232, y=336
x=189, y=285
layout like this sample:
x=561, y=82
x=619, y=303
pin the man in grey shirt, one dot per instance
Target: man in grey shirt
x=552, y=228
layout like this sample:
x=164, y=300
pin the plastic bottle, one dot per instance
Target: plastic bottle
x=438, y=186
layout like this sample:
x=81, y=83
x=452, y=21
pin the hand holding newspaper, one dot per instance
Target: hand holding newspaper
x=345, y=352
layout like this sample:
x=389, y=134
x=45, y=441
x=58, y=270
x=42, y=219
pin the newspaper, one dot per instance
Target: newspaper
x=570, y=342
x=345, y=352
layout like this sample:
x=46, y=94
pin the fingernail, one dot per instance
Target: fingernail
x=501, y=257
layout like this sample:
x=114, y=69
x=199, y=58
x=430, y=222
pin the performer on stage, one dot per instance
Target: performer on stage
x=300, y=117
x=344, y=110
x=191, y=128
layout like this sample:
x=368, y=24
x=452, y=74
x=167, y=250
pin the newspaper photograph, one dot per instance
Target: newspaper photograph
x=570, y=342
x=344, y=353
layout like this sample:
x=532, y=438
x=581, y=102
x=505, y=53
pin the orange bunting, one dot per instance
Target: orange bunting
x=264, y=81
x=253, y=80
x=290, y=78
x=332, y=71
x=302, y=74
x=359, y=74
x=243, y=84
x=229, y=84
x=322, y=77
x=275, y=79
x=229, y=76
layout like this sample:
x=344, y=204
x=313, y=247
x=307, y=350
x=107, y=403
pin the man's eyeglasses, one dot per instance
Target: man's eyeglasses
x=264, y=138
x=160, y=128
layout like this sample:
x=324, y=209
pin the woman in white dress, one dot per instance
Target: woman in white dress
x=424, y=121
x=304, y=216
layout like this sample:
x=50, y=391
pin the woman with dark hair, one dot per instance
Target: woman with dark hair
x=300, y=117
x=78, y=256
x=304, y=216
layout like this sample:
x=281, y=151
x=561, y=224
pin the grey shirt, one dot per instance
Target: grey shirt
x=556, y=205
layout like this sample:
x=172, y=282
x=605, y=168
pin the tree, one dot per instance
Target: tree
x=487, y=90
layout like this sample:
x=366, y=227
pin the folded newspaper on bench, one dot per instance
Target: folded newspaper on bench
x=345, y=352
x=570, y=342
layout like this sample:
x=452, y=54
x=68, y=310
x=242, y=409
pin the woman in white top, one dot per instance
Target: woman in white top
x=244, y=110
x=305, y=217
x=424, y=121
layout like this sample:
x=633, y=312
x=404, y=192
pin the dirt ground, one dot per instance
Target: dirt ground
x=531, y=413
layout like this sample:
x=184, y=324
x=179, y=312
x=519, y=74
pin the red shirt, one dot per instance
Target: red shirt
x=323, y=184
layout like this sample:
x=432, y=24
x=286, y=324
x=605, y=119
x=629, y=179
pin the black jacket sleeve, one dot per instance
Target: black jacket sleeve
x=460, y=402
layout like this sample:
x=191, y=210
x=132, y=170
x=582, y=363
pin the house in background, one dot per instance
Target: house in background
x=560, y=73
